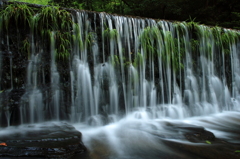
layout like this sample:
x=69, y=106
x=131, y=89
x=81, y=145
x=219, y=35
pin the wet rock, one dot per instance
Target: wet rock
x=51, y=140
x=203, y=143
x=217, y=149
x=195, y=133
x=199, y=135
x=191, y=133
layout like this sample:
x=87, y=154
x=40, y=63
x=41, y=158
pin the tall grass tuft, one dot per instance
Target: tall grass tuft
x=20, y=13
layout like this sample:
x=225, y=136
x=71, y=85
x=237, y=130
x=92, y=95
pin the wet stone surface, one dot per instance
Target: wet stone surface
x=51, y=140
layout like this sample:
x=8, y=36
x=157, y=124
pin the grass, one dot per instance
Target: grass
x=159, y=44
x=19, y=12
x=41, y=21
x=112, y=34
x=52, y=18
x=26, y=47
x=41, y=2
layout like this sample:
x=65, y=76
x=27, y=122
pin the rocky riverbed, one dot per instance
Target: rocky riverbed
x=135, y=139
x=203, y=138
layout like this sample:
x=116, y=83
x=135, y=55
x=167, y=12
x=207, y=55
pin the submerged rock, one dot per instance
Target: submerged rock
x=51, y=140
x=192, y=133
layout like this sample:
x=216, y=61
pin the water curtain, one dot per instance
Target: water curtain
x=86, y=66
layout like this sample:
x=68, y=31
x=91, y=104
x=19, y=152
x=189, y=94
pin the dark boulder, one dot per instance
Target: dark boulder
x=195, y=133
x=50, y=140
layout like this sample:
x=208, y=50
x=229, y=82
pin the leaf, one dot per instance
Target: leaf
x=237, y=151
x=3, y=144
x=208, y=142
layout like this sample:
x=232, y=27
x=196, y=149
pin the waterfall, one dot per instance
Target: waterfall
x=118, y=65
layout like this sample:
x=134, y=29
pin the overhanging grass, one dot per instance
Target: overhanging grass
x=42, y=2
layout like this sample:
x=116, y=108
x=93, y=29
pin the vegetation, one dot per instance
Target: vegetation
x=208, y=142
x=223, y=13
x=52, y=18
x=17, y=12
x=26, y=47
x=138, y=61
x=153, y=41
x=111, y=34
x=42, y=22
x=219, y=13
x=41, y=2
x=211, y=12
x=156, y=44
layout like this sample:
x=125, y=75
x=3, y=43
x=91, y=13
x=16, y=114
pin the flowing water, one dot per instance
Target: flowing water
x=133, y=76
x=133, y=138
x=158, y=66
x=155, y=73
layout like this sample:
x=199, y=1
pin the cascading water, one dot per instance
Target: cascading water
x=32, y=100
x=119, y=64
x=125, y=69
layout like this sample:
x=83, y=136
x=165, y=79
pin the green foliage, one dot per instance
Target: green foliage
x=228, y=37
x=90, y=38
x=115, y=60
x=208, y=142
x=53, y=18
x=205, y=38
x=174, y=50
x=222, y=13
x=146, y=39
x=110, y=6
x=191, y=24
x=42, y=2
x=154, y=41
x=127, y=64
x=66, y=3
x=63, y=45
x=99, y=6
x=77, y=36
x=112, y=34
x=41, y=22
x=237, y=151
x=224, y=38
x=191, y=21
x=26, y=47
x=20, y=13
x=82, y=41
x=159, y=44
x=194, y=45
x=139, y=60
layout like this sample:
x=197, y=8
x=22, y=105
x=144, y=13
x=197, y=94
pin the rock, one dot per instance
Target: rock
x=217, y=149
x=203, y=143
x=51, y=140
x=190, y=132
x=195, y=133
